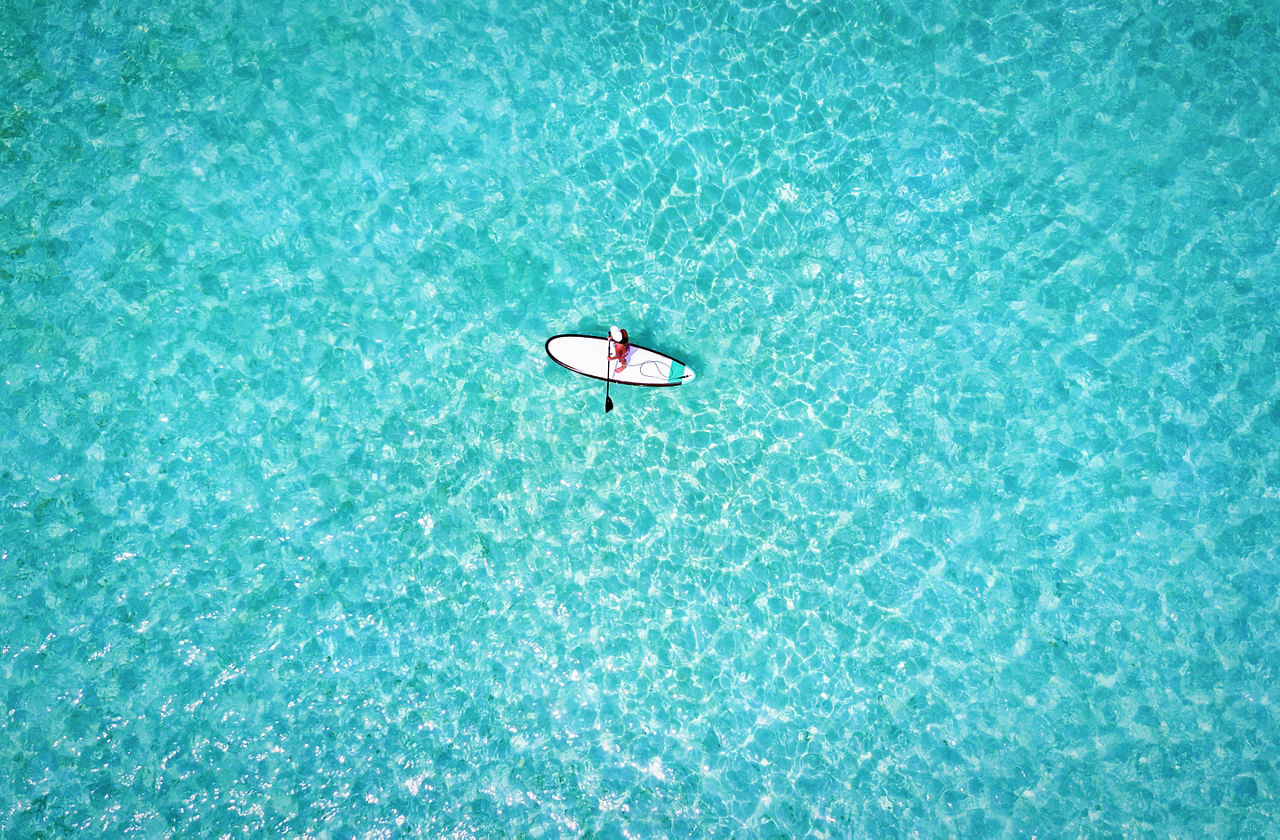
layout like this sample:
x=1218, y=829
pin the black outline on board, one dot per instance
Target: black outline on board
x=547, y=347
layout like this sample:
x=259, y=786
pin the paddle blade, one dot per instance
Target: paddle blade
x=608, y=405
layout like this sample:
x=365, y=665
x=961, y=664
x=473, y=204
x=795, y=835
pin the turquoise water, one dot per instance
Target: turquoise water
x=968, y=525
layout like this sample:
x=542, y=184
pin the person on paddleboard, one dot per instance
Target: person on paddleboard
x=619, y=347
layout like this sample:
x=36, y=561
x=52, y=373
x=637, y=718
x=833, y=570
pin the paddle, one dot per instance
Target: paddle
x=608, y=365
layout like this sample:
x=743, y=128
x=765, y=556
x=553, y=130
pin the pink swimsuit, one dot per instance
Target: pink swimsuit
x=619, y=351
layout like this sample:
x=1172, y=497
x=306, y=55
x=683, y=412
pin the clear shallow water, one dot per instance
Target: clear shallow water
x=968, y=524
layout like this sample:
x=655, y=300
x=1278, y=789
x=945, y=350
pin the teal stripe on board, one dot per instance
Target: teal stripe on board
x=973, y=536
x=677, y=372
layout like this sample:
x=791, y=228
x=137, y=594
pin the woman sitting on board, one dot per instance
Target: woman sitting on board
x=619, y=347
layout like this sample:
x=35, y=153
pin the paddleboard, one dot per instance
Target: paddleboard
x=588, y=355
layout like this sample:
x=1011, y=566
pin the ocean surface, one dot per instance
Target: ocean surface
x=968, y=525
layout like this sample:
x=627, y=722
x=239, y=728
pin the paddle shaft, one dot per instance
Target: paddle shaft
x=608, y=366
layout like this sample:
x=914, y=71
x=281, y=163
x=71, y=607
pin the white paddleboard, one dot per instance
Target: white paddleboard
x=588, y=355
